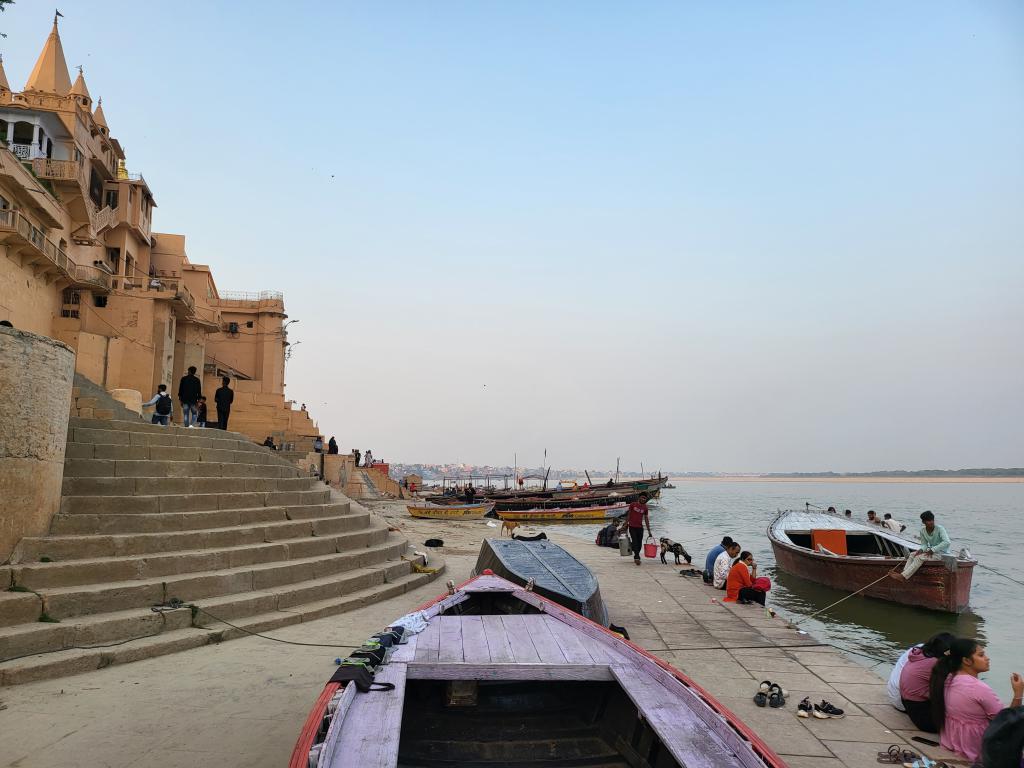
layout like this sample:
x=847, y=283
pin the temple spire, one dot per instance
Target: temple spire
x=79, y=88
x=50, y=74
x=4, y=85
x=98, y=115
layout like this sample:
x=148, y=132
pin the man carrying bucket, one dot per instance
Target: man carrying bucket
x=637, y=518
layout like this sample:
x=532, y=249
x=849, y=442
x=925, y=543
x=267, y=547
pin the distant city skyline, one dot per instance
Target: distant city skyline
x=750, y=237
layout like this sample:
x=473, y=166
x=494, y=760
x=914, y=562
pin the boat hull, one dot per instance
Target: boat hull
x=454, y=512
x=556, y=514
x=934, y=586
x=557, y=575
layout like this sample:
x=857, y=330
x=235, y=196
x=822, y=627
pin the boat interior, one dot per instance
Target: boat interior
x=849, y=542
x=482, y=724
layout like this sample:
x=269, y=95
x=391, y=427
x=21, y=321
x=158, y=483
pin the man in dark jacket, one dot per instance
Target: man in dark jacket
x=190, y=389
x=224, y=397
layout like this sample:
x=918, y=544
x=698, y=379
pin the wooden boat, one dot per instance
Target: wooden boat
x=608, y=511
x=846, y=554
x=582, y=499
x=555, y=573
x=450, y=511
x=501, y=676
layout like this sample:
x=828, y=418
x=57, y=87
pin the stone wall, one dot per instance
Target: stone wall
x=36, y=375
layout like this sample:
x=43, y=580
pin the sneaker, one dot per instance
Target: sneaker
x=825, y=710
x=804, y=708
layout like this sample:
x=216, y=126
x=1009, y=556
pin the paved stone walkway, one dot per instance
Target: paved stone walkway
x=241, y=703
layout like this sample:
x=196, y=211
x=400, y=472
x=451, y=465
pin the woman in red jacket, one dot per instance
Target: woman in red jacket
x=739, y=586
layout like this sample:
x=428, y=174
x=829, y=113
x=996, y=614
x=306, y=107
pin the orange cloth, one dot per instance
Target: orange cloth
x=739, y=577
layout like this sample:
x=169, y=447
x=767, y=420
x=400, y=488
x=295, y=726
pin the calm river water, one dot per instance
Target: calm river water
x=982, y=516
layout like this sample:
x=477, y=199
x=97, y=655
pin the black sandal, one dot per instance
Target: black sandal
x=775, y=697
x=896, y=755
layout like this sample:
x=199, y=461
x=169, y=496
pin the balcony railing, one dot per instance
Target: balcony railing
x=58, y=170
x=15, y=223
x=252, y=295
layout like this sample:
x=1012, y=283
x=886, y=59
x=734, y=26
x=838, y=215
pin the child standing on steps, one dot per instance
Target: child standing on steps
x=201, y=413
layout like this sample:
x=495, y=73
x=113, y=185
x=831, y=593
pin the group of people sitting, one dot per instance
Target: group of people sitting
x=936, y=683
x=730, y=567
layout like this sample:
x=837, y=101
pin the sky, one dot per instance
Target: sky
x=703, y=236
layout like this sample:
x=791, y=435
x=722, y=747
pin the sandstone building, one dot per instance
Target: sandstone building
x=83, y=265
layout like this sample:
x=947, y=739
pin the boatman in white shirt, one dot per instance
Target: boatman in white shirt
x=934, y=543
x=723, y=564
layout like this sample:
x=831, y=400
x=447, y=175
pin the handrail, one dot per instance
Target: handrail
x=15, y=221
x=252, y=295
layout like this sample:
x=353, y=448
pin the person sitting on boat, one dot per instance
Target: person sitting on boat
x=470, y=493
x=739, y=585
x=636, y=518
x=610, y=483
x=915, y=676
x=962, y=705
x=709, y=561
x=723, y=564
x=893, y=525
x=934, y=543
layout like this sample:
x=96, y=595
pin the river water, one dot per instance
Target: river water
x=985, y=517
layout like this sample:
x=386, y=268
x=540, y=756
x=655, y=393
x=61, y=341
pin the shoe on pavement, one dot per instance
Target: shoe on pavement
x=804, y=708
x=825, y=710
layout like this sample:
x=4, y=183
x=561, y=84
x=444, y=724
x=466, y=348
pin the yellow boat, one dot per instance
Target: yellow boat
x=570, y=513
x=453, y=512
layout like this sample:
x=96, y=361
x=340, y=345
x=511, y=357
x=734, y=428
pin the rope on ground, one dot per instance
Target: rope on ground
x=842, y=599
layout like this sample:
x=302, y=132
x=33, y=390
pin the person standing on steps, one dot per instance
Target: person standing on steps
x=332, y=445
x=190, y=389
x=224, y=397
x=164, y=405
x=637, y=517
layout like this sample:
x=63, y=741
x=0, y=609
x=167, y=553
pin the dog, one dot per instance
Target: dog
x=677, y=550
x=508, y=526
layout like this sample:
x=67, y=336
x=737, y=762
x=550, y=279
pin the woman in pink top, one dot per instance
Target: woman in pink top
x=963, y=705
x=915, y=678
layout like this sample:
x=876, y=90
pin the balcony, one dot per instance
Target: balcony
x=27, y=243
x=183, y=303
x=59, y=170
x=91, y=278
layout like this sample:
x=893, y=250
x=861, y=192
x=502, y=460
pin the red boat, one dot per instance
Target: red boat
x=493, y=674
x=838, y=552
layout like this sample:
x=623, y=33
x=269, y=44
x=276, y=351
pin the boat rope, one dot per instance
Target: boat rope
x=1000, y=573
x=842, y=599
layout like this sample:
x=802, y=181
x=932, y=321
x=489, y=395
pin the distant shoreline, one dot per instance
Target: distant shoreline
x=803, y=479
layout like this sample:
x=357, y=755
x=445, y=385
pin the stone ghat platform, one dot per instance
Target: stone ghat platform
x=242, y=703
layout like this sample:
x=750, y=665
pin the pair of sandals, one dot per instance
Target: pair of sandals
x=770, y=694
x=897, y=755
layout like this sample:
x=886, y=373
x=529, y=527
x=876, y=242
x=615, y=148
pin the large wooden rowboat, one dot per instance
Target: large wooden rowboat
x=861, y=553
x=606, y=512
x=500, y=676
x=555, y=573
x=450, y=512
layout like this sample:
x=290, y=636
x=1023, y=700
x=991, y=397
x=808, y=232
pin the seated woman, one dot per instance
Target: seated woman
x=962, y=705
x=739, y=585
x=915, y=678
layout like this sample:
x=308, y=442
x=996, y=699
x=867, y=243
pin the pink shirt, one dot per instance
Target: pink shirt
x=970, y=705
x=915, y=675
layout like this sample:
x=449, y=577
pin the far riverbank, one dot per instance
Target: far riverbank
x=806, y=479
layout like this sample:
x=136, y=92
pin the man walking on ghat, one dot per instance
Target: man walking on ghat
x=934, y=543
x=224, y=397
x=636, y=519
x=190, y=389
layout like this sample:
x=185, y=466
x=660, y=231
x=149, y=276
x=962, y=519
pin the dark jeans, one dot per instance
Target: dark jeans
x=754, y=595
x=636, y=538
x=162, y=419
x=222, y=417
x=920, y=712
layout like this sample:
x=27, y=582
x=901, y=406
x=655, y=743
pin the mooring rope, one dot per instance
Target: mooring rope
x=842, y=599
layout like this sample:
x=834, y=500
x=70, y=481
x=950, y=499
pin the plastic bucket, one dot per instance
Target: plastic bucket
x=650, y=548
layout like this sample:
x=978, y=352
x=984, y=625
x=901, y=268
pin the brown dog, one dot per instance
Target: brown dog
x=508, y=525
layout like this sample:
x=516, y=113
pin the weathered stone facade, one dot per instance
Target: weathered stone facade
x=36, y=375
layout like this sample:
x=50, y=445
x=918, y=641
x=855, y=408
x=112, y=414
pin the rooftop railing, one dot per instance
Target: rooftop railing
x=252, y=296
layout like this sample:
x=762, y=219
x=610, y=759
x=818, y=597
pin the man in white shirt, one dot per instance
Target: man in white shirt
x=723, y=564
x=893, y=525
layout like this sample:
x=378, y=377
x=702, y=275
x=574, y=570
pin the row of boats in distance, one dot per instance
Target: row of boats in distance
x=549, y=505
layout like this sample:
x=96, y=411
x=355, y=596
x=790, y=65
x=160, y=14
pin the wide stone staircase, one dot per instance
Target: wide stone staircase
x=151, y=515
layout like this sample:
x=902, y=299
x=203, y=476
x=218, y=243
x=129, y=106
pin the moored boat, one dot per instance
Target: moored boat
x=605, y=512
x=846, y=554
x=501, y=676
x=555, y=573
x=450, y=511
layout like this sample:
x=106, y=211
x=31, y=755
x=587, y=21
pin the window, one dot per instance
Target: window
x=114, y=260
x=249, y=324
x=111, y=198
x=71, y=301
x=4, y=205
x=129, y=266
x=99, y=301
x=95, y=187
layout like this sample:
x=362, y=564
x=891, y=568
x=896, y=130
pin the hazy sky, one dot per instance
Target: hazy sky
x=705, y=236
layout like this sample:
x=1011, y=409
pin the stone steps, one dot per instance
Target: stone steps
x=171, y=502
x=152, y=513
x=160, y=522
x=64, y=602
x=169, y=635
